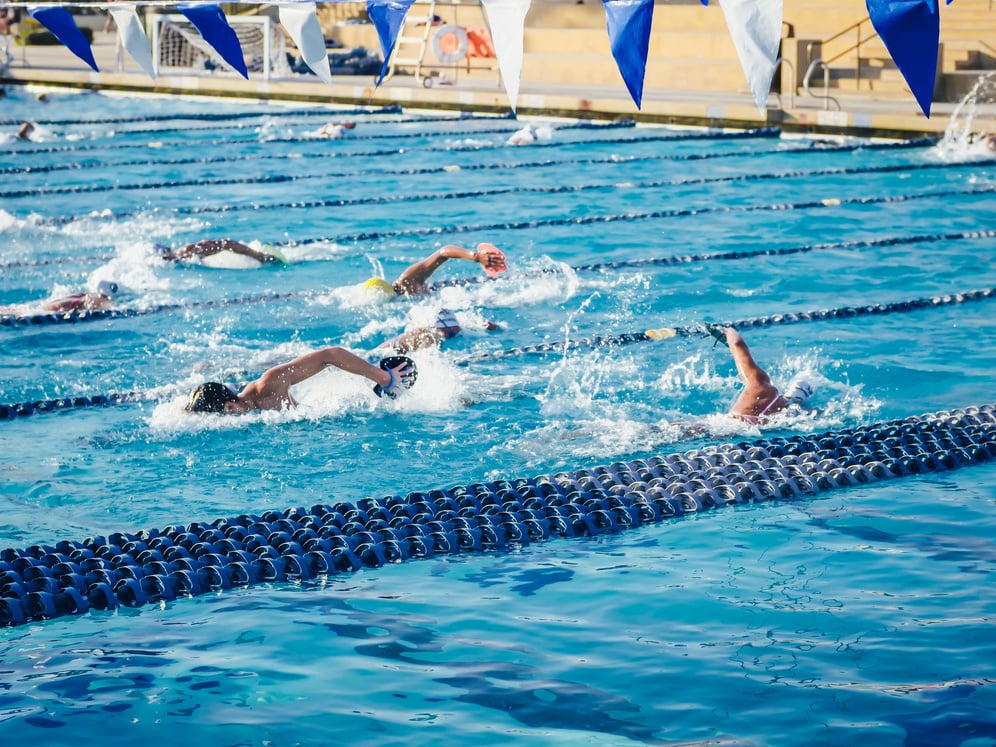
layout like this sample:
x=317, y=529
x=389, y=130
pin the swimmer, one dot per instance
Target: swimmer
x=529, y=135
x=25, y=132
x=444, y=328
x=271, y=391
x=990, y=142
x=211, y=247
x=760, y=399
x=413, y=281
x=88, y=301
x=336, y=130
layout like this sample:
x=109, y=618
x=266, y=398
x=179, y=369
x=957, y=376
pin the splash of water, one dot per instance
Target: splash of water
x=959, y=138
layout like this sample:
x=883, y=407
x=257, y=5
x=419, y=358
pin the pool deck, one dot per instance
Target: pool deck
x=864, y=114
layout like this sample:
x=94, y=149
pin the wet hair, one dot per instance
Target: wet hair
x=210, y=397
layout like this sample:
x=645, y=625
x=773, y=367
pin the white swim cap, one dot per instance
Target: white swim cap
x=799, y=392
x=107, y=288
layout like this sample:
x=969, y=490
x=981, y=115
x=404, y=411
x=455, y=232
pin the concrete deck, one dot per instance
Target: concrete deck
x=856, y=114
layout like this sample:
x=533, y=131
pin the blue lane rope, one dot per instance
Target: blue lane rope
x=23, y=409
x=76, y=165
x=681, y=259
x=627, y=217
x=162, y=565
x=75, y=317
x=220, y=116
x=318, y=141
x=391, y=152
x=560, y=189
x=50, y=318
x=794, y=317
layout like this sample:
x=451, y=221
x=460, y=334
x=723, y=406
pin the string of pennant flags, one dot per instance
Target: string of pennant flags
x=910, y=30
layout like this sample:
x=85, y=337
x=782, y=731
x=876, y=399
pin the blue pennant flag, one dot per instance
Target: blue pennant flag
x=911, y=32
x=628, y=23
x=210, y=22
x=60, y=22
x=387, y=17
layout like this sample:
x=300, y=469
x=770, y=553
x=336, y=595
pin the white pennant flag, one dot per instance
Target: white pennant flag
x=133, y=37
x=756, y=28
x=302, y=24
x=507, y=19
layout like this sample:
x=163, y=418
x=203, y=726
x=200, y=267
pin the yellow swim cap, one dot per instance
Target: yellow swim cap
x=379, y=285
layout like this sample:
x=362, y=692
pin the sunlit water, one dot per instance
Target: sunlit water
x=862, y=616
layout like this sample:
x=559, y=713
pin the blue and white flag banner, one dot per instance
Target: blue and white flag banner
x=388, y=17
x=60, y=22
x=911, y=31
x=756, y=29
x=210, y=22
x=133, y=37
x=628, y=23
x=302, y=24
x=507, y=21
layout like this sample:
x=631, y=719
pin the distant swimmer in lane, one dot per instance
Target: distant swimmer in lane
x=222, y=253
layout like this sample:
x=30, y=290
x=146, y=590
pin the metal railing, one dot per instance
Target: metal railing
x=859, y=31
x=827, y=98
x=791, y=91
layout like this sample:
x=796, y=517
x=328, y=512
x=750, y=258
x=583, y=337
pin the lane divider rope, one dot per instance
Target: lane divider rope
x=338, y=155
x=629, y=217
x=392, y=152
x=50, y=318
x=793, y=317
x=163, y=565
x=681, y=259
x=213, y=116
x=559, y=189
x=23, y=409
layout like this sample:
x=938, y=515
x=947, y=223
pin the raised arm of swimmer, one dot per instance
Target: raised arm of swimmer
x=413, y=280
x=759, y=396
x=271, y=391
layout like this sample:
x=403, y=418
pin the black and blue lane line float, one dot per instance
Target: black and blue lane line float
x=127, y=569
x=23, y=409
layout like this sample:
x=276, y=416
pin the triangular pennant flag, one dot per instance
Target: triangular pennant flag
x=911, y=32
x=756, y=28
x=387, y=17
x=210, y=22
x=302, y=24
x=628, y=23
x=507, y=20
x=60, y=22
x=133, y=37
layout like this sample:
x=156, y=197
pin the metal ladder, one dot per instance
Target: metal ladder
x=412, y=41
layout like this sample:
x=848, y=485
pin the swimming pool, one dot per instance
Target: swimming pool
x=859, y=614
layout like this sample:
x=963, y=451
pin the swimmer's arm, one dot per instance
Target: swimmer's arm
x=417, y=339
x=207, y=247
x=414, y=278
x=286, y=375
x=747, y=367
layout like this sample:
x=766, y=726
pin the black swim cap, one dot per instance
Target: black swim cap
x=210, y=397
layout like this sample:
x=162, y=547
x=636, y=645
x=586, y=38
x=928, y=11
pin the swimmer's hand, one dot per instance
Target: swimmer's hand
x=403, y=373
x=491, y=258
x=717, y=331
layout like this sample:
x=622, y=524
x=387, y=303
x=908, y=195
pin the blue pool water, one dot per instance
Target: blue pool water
x=862, y=615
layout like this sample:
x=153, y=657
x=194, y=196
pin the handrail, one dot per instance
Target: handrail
x=827, y=98
x=855, y=47
x=852, y=27
x=784, y=61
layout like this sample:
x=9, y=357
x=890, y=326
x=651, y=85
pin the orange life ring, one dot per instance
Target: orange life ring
x=450, y=43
